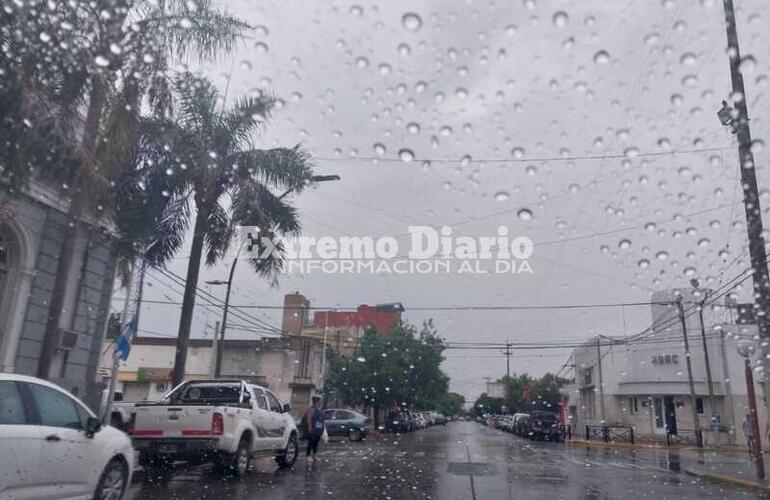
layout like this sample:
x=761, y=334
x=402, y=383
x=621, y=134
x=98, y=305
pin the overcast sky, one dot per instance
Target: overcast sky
x=488, y=80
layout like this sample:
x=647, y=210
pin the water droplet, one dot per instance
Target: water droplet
x=384, y=69
x=502, y=196
x=524, y=214
x=602, y=57
x=560, y=19
x=517, y=152
x=406, y=155
x=356, y=10
x=662, y=255
x=688, y=59
x=748, y=64
x=380, y=149
x=690, y=81
x=413, y=128
x=362, y=62
x=101, y=61
x=404, y=49
x=411, y=21
x=445, y=131
x=644, y=264
x=624, y=244
x=45, y=37
x=261, y=48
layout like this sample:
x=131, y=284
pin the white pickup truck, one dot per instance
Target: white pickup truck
x=224, y=421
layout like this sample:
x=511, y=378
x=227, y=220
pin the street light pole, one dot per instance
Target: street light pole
x=229, y=282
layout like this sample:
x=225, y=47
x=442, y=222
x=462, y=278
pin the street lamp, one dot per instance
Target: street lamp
x=746, y=349
x=229, y=282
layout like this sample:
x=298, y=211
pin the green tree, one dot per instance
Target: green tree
x=401, y=370
x=525, y=393
x=202, y=164
x=451, y=404
x=75, y=100
x=487, y=404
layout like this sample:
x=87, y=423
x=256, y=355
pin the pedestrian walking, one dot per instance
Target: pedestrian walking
x=315, y=427
x=747, y=431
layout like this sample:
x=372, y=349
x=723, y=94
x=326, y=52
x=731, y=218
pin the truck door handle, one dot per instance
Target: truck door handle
x=52, y=437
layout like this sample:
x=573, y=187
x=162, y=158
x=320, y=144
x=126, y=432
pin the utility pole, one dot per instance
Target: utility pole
x=601, y=377
x=695, y=422
x=740, y=124
x=217, y=346
x=508, y=353
x=728, y=387
x=712, y=402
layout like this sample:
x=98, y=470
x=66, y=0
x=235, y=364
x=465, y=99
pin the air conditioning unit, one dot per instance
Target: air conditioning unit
x=66, y=340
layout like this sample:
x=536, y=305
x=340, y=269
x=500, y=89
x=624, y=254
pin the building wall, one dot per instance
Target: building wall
x=40, y=219
x=636, y=370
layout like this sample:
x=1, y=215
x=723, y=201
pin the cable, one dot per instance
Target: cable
x=611, y=156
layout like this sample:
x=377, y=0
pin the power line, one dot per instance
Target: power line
x=470, y=159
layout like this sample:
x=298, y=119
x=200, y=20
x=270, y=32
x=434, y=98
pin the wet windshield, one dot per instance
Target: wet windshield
x=449, y=249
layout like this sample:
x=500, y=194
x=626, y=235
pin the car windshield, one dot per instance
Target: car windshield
x=423, y=242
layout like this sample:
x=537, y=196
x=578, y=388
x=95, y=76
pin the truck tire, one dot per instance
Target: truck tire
x=289, y=455
x=238, y=464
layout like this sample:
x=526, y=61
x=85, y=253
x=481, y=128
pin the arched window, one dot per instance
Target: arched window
x=11, y=302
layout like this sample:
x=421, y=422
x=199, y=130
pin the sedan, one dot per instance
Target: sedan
x=53, y=446
x=347, y=423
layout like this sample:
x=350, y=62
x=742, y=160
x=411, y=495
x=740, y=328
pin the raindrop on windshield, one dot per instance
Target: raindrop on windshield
x=406, y=155
x=411, y=21
x=602, y=57
x=524, y=214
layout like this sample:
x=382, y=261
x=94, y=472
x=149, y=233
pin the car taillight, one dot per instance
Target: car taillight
x=131, y=424
x=217, y=424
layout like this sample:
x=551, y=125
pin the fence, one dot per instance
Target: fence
x=610, y=433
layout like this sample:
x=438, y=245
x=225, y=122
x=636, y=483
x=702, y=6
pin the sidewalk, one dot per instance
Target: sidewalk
x=729, y=465
x=726, y=466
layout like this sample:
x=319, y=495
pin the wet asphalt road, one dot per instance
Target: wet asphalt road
x=460, y=461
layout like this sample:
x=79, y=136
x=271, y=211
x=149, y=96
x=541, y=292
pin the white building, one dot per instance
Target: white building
x=642, y=380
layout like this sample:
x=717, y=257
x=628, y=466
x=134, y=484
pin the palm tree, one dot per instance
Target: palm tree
x=79, y=75
x=204, y=161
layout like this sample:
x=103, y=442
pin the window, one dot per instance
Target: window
x=161, y=387
x=261, y=401
x=344, y=415
x=699, y=405
x=57, y=409
x=273, y=403
x=329, y=415
x=633, y=405
x=11, y=405
x=588, y=376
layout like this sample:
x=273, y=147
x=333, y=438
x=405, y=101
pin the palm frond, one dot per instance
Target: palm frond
x=219, y=232
x=254, y=205
x=283, y=168
x=245, y=118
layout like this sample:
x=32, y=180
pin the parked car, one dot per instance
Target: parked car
x=53, y=446
x=120, y=410
x=399, y=421
x=505, y=422
x=544, y=425
x=420, y=421
x=520, y=424
x=438, y=418
x=347, y=423
x=225, y=421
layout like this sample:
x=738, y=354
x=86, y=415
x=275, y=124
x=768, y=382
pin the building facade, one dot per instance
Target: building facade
x=32, y=232
x=641, y=381
x=342, y=330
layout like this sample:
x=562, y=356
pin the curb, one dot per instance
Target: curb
x=732, y=480
x=602, y=444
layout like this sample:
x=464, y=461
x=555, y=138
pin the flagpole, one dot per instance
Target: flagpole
x=104, y=414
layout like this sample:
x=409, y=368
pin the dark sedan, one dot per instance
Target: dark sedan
x=400, y=421
x=347, y=423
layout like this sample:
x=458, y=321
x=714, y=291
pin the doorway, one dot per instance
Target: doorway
x=665, y=415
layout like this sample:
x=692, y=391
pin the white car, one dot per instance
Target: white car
x=53, y=446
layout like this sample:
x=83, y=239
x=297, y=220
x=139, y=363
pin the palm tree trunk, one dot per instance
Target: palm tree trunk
x=66, y=257
x=188, y=302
